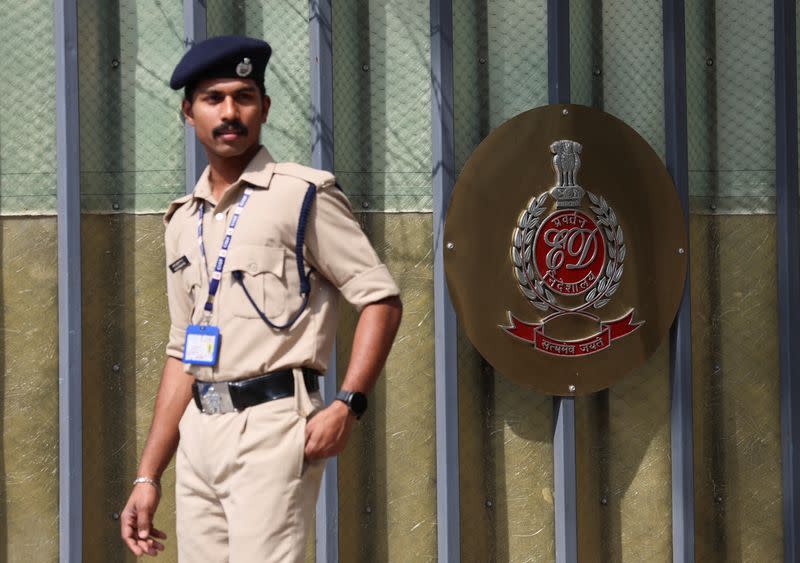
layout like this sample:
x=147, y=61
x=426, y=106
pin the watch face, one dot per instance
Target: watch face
x=358, y=402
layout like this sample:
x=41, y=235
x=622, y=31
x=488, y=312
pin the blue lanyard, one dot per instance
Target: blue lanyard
x=216, y=276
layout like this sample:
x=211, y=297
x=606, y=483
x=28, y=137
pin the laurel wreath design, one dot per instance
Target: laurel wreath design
x=608, y=283
x=535, y=290
x=521, y=252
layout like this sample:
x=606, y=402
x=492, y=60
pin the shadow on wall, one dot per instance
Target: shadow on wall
x=368, y=507
x=110, y=448
x=725, y=547
x=387, y=473
x=506, y=430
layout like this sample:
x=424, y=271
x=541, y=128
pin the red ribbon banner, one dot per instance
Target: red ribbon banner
x=609, y=330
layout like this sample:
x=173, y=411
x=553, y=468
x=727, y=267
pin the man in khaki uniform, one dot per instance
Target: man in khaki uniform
x=256, y=258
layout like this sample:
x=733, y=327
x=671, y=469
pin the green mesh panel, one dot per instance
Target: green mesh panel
x=585, y=22
x=132, y=136
x=27, y=113
x=500, y=66
x=618, y=66
x=132, y=156
x=731, y=104
x=285, y=26
x=382, y=99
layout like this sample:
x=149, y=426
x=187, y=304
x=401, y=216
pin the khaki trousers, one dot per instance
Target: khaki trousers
x=244, y=493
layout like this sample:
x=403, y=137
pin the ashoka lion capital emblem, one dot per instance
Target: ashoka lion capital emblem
x=568, y=262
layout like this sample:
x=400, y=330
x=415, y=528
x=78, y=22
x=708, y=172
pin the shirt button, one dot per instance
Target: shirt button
x=253, y=268
x=219, y=216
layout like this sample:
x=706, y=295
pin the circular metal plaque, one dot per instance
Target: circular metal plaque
x=565, y=249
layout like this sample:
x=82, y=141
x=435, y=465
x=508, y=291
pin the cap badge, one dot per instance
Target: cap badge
x=244, y=68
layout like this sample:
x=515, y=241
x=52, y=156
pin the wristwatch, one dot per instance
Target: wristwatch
x=355, y=401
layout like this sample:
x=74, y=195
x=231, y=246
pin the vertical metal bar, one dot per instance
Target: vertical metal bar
x=558, y=51
x=445, y=328
x=564, y=462
x=70, y=407
x=321, y=39
x=320, y=18
x=195, y=29
x=786, y=184
x=327, y=521
x=681, y=332
x=564, y=477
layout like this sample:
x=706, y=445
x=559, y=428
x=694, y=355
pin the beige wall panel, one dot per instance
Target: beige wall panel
x=624, y=471
x=124, y=335
x=506, y=465
x=29, y=390
x=387, y=487
x=736, y=389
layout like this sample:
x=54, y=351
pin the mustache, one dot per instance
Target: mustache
x=234, y=126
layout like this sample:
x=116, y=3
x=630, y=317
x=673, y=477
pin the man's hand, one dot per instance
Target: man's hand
x=327, y=431
x=136, y=521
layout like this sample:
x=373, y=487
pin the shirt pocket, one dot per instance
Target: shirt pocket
x=262, y=270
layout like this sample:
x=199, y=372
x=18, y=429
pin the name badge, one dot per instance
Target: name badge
x=202, y=345
x=179, y=264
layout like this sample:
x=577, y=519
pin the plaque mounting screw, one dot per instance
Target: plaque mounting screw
x=571, y=388
x=681, y=251
x=450, y=246
x=565, y=111
x=365, y=204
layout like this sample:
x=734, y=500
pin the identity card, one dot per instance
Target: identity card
x=202, y=345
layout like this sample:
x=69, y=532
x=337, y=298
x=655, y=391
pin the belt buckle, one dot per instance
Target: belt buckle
x=215, y=398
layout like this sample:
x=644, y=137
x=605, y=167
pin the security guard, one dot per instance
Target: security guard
x=256, y=258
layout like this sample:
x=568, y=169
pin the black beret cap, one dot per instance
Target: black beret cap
x=225, y=56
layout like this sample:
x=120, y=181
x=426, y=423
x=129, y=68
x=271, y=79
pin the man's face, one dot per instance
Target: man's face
x=227, y=114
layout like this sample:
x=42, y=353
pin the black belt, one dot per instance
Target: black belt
x=228, y=396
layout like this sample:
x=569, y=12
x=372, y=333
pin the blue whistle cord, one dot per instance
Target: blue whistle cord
x=305, y=209
x=237, y=275
x=305, y=284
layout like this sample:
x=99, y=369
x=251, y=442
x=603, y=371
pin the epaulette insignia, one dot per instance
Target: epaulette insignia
x=321, y=178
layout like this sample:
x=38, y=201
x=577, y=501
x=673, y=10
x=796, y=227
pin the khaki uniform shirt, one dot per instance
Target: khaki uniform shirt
x=263, y=247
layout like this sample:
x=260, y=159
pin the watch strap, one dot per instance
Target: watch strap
x=347, y=398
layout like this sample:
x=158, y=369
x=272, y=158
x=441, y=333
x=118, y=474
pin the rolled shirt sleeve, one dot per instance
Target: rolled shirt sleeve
x=338, y=248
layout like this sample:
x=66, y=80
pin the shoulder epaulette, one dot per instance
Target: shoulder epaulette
x=175, y=205
x=306, y=173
